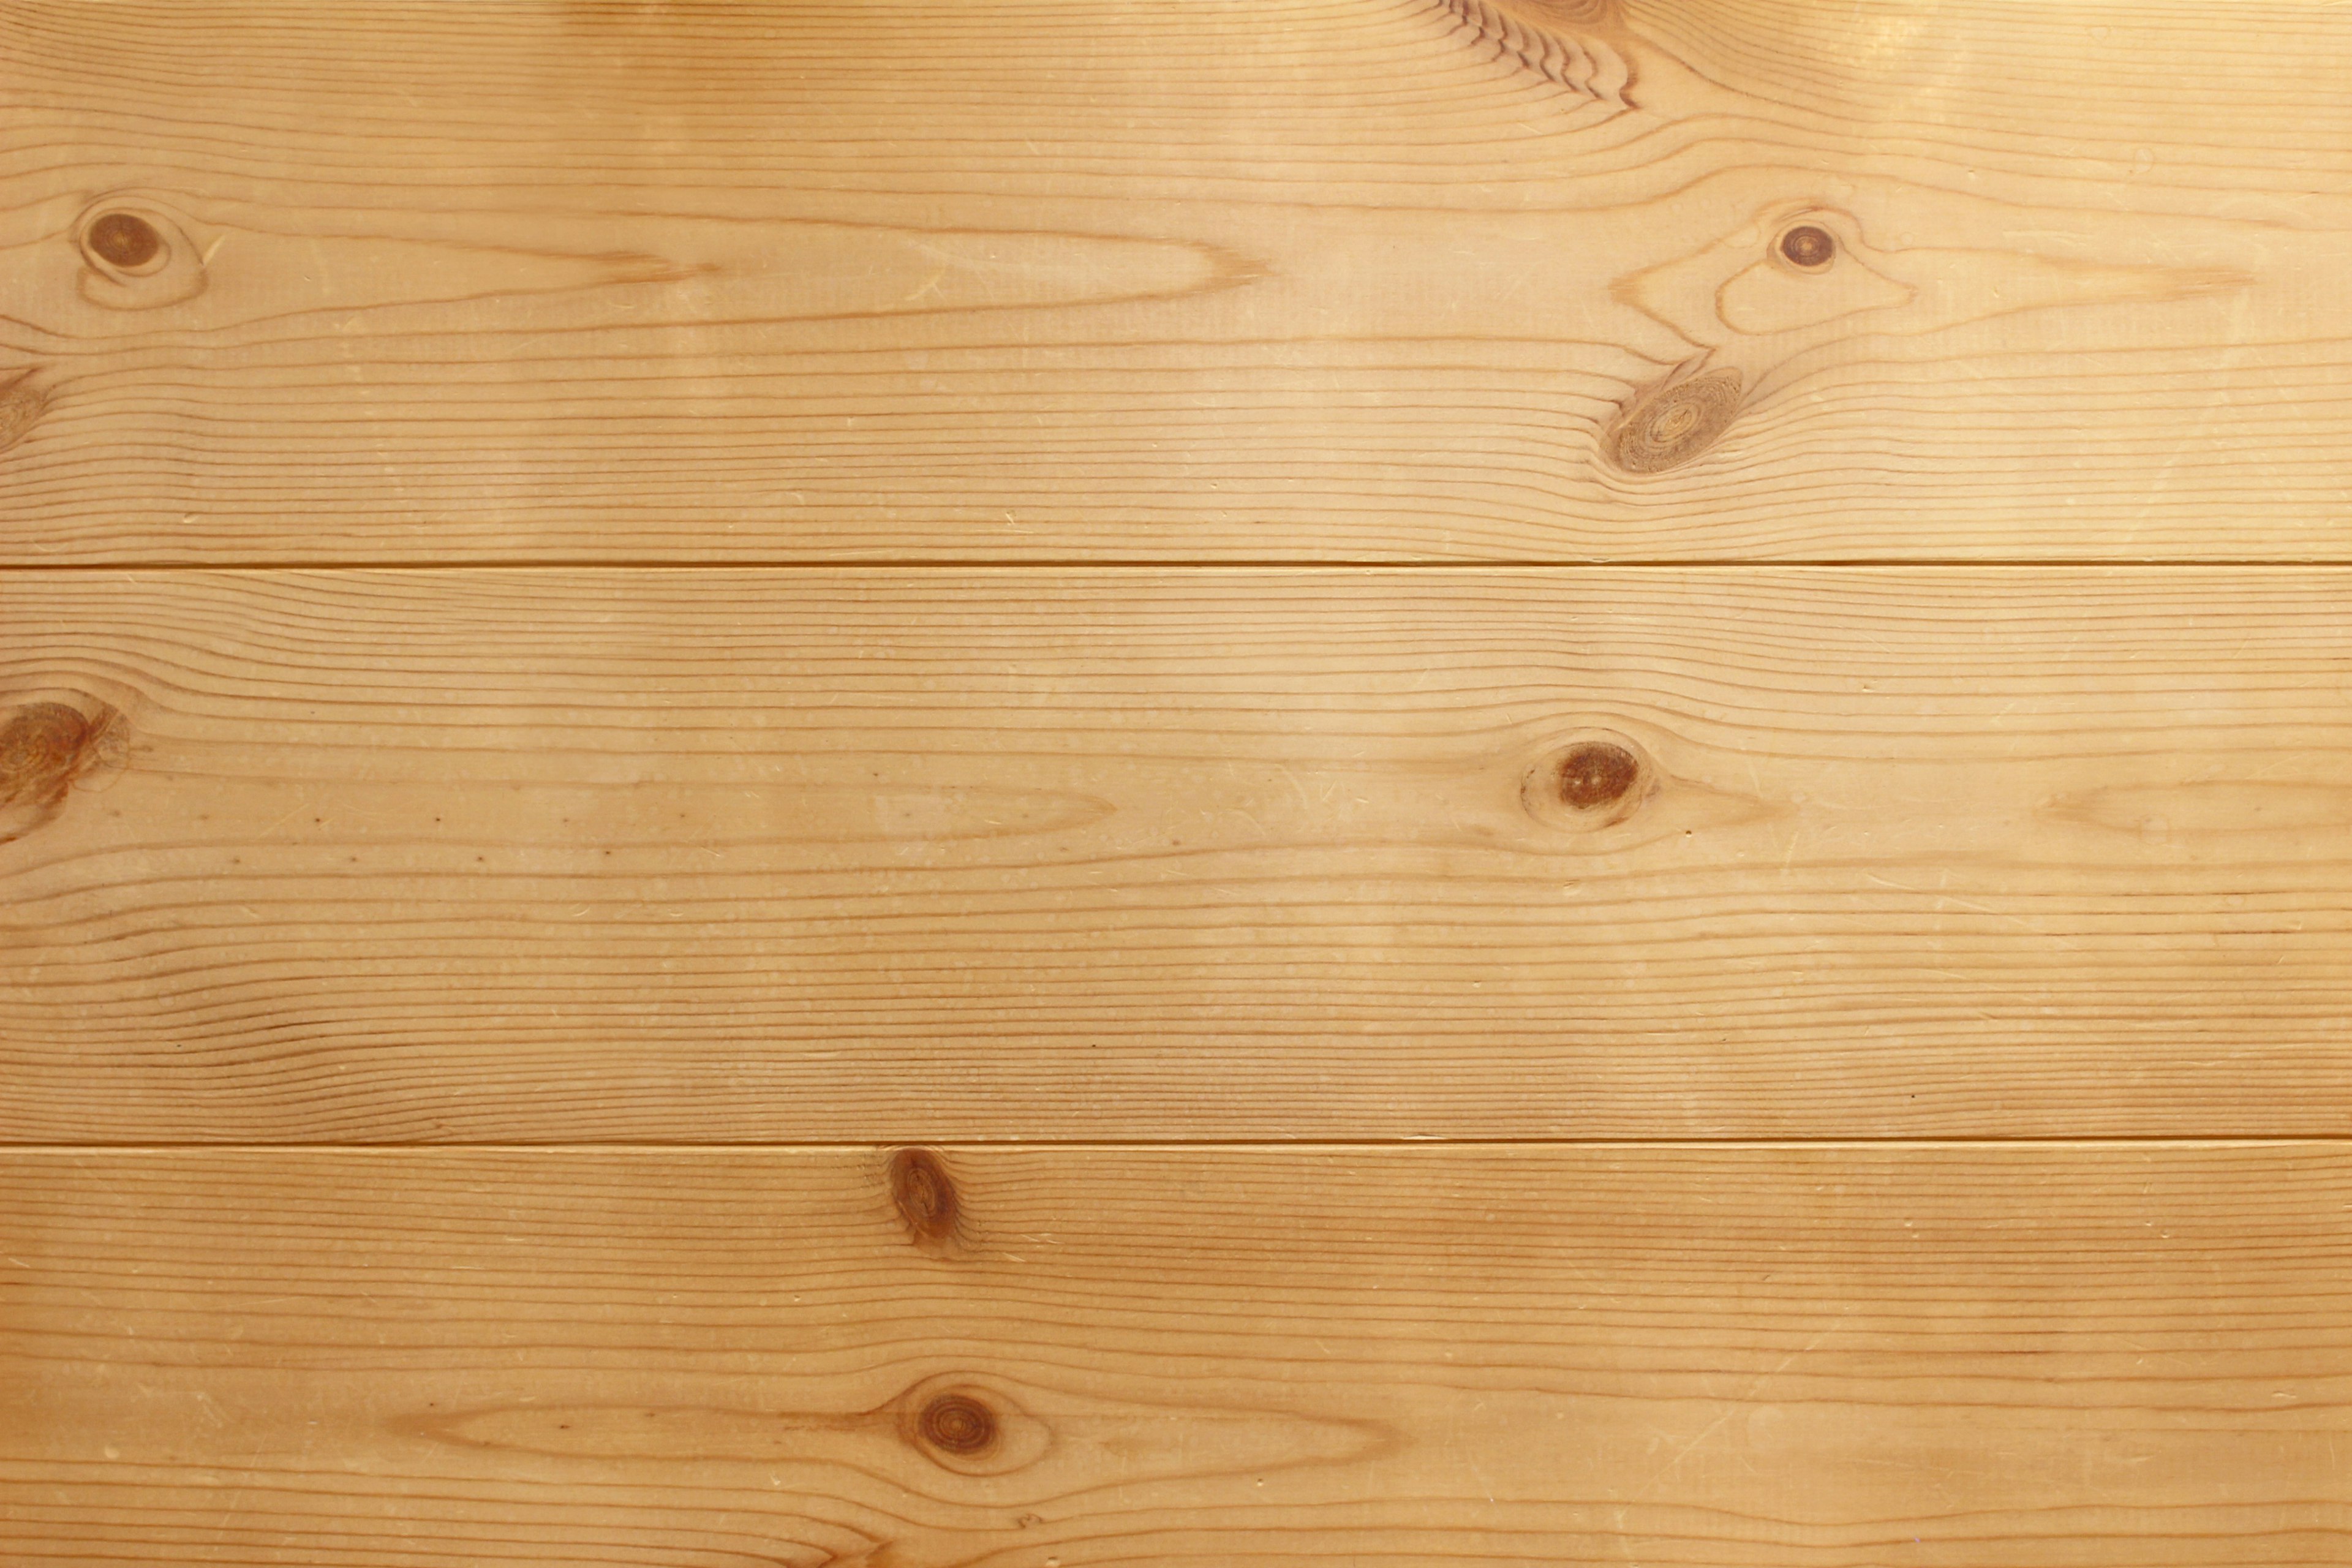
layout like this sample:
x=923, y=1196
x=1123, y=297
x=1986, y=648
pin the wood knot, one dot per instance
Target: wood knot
x=958, y=1424
x=1592, y=781
x=122, y=239
x=47, y=748
x=925, y=1197
x=1809, y=245
x=970, y=1426
x=22, y=404
x=136, y=255
x=1594, y=774
x=1668, y=426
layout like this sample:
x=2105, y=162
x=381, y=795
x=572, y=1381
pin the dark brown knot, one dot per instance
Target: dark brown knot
x=1668, y=426
x=1809, y=245
x=958, y=1424
x=1594, y=774
x=1587, y=782
x=122, y=239
x=925, y=1197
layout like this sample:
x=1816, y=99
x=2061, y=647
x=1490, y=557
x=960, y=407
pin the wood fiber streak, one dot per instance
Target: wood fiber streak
x=812, y=855
x=2098, y=1357
x=1111, y=279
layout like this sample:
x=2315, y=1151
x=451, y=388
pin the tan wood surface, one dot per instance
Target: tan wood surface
x=1151, y=783
x=2104, y=1357
x=1054, y=854
x=1289, y=280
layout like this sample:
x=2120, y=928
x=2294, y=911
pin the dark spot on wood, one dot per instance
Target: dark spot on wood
x=46, y=748
x=1594, y=774
x=1668, y=426
x=1809, y=245
x=1588, y=782
x=122, y=239
x=958, y=1424
x=925, y=1195
x=21, y=406
x=137, y=255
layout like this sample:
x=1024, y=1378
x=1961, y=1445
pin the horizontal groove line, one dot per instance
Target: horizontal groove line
x=1157, y=565
x=1262, y=1145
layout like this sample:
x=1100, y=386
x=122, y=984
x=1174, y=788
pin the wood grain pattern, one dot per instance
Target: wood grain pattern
x=816, y=855
x=794, y=621
x=1923, y=1358
x=1289, y=280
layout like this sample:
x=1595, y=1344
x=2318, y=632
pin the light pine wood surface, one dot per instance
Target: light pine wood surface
x=1152, y=783
x=1125, y=852
x=1289, y=280
x=2104, y=1357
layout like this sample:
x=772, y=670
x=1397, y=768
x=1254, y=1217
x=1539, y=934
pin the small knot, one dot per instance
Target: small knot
x=46, y=746
x=958, y=1424
x=1594, y=774
x=136, y=255
x=1667, y=427
x=1591, y=781
x=925, y=1197
x=46, y=749
x=22, y=404
x=1809, y=245
x=969, y=1428
x=122, y=239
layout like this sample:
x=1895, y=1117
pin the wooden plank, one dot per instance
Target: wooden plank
x=1282, y=280
x=2101, y=1357
x=819, y=855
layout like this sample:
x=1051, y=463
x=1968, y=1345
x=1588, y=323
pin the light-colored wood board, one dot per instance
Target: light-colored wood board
x=826, y=853
x=1924, y=1357
x=1289, y=280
